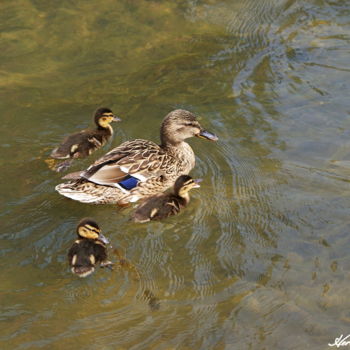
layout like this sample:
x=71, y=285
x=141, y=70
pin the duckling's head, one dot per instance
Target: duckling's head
x=180, y=125
x=104, y=116
x=89, y=229
x=184, y=184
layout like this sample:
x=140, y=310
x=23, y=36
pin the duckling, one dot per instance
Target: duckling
x=83, y=143
x=164, y=205
x=89, y=249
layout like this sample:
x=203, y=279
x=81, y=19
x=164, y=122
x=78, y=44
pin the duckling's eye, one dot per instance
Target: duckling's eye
x=84, y=231
x=104, y=119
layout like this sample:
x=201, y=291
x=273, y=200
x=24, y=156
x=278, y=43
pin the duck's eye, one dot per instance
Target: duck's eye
x=191, y=125
x=104, y=119
x=83, y=231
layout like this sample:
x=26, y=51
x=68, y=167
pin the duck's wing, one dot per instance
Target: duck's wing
x=127, y=164
x=157, y=207
x=147, y=210
x=72, y=251
x=69, y=144
x=73, y=145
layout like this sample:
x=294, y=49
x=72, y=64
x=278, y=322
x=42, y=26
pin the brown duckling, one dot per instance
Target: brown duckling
x=89, y=249
x=164, y=205
x=83, y=143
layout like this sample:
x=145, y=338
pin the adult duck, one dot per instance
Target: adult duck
x=139, y=168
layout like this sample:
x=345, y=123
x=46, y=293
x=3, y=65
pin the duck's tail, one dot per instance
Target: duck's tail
x=58, y=153
x=89, y=192
x=83, y=271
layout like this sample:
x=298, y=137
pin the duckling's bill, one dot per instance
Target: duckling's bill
x=204, y=134
x=103, y=238
x=197, y=181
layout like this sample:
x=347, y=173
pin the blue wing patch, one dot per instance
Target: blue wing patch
x=129, y=182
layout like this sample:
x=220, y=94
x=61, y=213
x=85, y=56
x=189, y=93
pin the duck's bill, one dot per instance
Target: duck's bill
x=197, y=181
x=116, y=119
x=103, y=239
x=204, y=134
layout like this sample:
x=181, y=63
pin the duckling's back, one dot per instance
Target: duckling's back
x=84, y=255
x=81, y=144
x=158, y=208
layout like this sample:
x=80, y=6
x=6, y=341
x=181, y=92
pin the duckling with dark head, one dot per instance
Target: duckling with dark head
x=89, y=249
x=83, y=143
x=165, y=205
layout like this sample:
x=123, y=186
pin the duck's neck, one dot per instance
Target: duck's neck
x=108, y=129
x=184, y=195
x=172, y=145
x=167, y=137
x=183, y=154
x=168, y=142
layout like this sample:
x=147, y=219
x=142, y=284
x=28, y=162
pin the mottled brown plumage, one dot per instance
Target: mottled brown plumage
x=83, y=143
x=89, y=250
x=139, y=168
x=162, y=206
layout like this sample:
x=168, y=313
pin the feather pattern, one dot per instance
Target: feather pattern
x=155, y=166
x=81, y=144
x=158, y=169
x=159, y=207
x=89, y=250
x=162, y=206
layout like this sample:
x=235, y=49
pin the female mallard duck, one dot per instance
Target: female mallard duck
x=89, y=249
x=83, y=143
x=163, y=205
x=139, y=168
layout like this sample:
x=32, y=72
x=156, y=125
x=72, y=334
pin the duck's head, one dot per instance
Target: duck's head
x=104, y=116
x=180, y=125
x=89, y=229
x=184, y=184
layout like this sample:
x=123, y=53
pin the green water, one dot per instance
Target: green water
x=260, y=258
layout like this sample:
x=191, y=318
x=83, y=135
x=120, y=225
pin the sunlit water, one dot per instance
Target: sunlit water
x=260, y=258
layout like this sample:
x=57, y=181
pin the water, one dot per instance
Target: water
x=259, y=260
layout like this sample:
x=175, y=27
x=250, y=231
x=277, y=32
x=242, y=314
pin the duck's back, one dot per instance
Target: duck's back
x=158, y=207
x=81, y=144
x=150, y=168
x=134, y=155
x=86, y=253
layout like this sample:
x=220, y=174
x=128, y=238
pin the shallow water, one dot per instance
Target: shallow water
x=259, y=260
